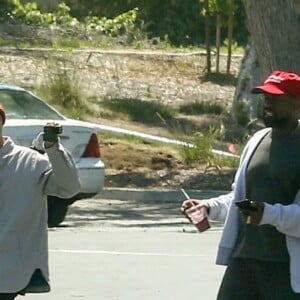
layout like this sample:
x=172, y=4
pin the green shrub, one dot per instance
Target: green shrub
x=201, y=150
x=223, y=161
x=29, y=13
x=242, y=115
x=61, y=88
x=124, y=24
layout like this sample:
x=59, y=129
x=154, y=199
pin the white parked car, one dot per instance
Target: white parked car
x=27, y=115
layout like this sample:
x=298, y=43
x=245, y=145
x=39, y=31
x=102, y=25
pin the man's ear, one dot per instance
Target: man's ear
x=297, y=108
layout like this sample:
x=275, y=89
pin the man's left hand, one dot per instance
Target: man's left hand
x=253, y=216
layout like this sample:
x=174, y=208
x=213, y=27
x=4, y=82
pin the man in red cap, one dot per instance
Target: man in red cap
x=280, y=83
x=260, y=243
x=26, y=178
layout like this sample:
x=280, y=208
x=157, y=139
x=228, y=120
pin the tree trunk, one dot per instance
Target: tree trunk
x=249, y=76
x=229, y=46
x=218, y=41
x=207, y=36
x=274, y=29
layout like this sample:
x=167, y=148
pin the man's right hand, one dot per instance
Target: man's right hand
x=191, y=202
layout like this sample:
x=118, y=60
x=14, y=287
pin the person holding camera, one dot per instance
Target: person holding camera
x=260, y=243
x=26, y=178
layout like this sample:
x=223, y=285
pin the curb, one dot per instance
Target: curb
x=156, y=195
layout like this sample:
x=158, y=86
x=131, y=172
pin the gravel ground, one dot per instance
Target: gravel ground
x=171, y=78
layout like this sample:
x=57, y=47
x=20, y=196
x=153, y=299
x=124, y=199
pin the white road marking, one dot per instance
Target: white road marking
x=123, y=253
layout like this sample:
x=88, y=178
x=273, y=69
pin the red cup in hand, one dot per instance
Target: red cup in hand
x=197, y=214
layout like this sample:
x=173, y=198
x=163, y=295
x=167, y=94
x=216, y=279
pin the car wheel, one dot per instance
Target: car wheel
x=57, y=210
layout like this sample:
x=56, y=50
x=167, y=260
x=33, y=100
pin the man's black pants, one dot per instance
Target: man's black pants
x=250, y=279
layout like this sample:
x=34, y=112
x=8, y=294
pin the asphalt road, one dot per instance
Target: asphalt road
x=129, y=250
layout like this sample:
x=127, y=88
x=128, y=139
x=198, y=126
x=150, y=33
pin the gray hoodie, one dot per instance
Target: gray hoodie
x=26, y=178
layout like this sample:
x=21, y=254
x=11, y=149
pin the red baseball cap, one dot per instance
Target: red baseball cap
x=2, y=113
x=280, y=83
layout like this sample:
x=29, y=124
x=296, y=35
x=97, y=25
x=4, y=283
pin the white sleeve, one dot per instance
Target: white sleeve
x=219, y=207
x=286, y=218
x=63, y=179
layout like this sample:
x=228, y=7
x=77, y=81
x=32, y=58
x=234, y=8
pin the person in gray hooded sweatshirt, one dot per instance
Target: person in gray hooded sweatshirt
x=260, y=243
x=26, y=178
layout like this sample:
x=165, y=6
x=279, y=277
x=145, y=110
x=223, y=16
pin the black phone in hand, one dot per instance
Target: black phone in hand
x=246, y=204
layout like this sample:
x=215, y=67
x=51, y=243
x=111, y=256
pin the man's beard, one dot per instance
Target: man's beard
x=271, y=120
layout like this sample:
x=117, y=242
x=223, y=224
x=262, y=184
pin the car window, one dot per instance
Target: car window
x=23, y=105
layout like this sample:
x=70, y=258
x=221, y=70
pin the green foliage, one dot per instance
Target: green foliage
x=201, y=152
x=120, y=25
x=65, y=43
x=234, y=44
x=174, y=18
x=178, y=20
x=63, y=91
x=2, y=42
x=29, y=13
x=124, y=24
x=61, y=88
x=5, y=9
x=202, y=107
x=242, y=114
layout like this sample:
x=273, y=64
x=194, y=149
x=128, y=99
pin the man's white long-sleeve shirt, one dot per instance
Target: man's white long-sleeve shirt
x=286, y=218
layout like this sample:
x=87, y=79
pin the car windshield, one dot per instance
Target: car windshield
x=23, y=105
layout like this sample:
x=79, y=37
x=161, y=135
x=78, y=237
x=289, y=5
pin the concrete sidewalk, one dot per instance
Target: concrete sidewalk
x=156, y=194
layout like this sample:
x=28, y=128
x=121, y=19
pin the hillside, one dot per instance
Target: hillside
x=165, y=77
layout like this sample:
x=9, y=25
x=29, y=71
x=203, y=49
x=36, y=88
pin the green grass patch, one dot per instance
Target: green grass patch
x=61, y=88
x=202, y=107
x=126, y=137
x=139, y=111
x=223, y=161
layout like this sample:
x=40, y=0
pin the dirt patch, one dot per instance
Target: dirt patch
x=142, y=166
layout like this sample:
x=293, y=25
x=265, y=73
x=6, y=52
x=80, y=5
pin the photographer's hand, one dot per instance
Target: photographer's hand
x=50, y=134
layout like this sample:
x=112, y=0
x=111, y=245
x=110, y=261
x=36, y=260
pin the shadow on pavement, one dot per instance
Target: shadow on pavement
x=126, y=214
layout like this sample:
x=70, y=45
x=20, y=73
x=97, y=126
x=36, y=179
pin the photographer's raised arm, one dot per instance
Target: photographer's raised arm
x=62, y=180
